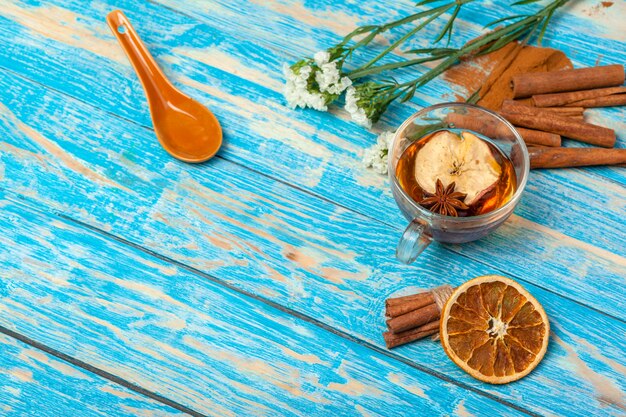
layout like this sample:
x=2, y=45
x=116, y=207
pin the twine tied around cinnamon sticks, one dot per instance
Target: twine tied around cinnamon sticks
x=416, y=316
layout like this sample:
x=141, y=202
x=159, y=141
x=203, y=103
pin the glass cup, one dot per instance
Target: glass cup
x=426, y=226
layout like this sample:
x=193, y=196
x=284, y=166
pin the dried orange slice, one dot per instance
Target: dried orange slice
x=494, y=329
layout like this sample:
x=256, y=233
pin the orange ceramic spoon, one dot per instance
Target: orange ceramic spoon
x=185, y=128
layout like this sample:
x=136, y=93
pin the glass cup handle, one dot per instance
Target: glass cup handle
x=413, y=241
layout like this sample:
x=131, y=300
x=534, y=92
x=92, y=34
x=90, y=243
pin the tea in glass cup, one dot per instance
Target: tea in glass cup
x=456, y=171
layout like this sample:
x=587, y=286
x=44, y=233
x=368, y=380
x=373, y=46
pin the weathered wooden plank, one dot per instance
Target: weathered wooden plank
x=199, y=343
x=35, y=383
x=308, y=149
x=271, y=240
x=252, y=153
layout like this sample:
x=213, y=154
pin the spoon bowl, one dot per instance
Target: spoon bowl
x=186, y=129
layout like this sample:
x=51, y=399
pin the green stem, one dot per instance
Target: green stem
x=436, y=13
x=377, y=30
x=360, y=73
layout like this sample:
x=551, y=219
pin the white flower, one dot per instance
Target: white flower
x=297, y=90
x=316, y=101
x=314, y=82
x=296, y=85
x=377, y=156
x=321, y=58
x=328, y=77
x=356, y=112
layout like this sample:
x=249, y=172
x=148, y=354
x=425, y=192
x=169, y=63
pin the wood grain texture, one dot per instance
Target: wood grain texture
x=268, y=239
x=192, y=340
x=264, y=237
x=316, y=151
x=324, y=22
x=33, y=382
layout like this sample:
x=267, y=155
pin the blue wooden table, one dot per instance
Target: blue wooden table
x=254, y=284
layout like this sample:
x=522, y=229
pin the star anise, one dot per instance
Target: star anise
x=445, y=201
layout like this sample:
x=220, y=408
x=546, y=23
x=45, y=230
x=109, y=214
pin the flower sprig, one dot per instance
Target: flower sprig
x=316, y=82
x=367, y=101
x=377, y=156
x=319, y=81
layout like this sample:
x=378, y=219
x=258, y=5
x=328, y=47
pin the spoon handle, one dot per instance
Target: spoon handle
x=149, y=73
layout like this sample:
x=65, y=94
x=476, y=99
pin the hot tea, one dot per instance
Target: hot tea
x=456, y=173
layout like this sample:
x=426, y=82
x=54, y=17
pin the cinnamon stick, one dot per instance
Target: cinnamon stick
x=512, y=106
x=485, y=127
x=608, y=101
x=528, y=101
x=415, y=318
x=537, y=137
x=566, y=111
x=564, y=99
x=574, y=157
x=396, y=339
x=575, y=112
x=395, y=309
x=426, y=295
x=495, y=130
x=575, y=129
x=534, y=83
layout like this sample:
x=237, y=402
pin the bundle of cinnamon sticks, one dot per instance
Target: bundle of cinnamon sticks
x=414, y=317
x=551, y=105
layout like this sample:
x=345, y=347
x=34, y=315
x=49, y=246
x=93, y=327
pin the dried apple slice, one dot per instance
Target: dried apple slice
x=463, y=159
